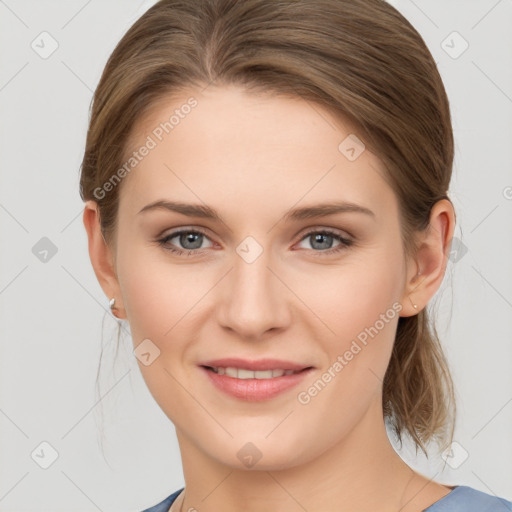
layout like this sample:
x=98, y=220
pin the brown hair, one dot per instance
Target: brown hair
x=362, y=60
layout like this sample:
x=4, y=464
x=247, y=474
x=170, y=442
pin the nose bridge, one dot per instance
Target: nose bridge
x=254, y=300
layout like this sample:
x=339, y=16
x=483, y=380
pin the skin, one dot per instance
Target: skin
x=295, y=302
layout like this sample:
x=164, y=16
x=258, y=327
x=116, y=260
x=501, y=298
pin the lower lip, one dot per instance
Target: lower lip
x=254, y=390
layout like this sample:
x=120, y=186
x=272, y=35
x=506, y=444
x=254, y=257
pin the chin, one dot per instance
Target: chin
x=260, y=454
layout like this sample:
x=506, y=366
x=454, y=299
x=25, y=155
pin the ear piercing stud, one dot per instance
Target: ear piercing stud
x=113, y=308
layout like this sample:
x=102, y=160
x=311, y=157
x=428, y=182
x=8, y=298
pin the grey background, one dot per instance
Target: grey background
x=54, y=316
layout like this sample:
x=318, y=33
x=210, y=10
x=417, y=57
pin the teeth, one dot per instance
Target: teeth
x=246, y=374
x=242, y=373
x=231, y=372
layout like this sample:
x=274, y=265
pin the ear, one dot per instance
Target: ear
x=102, y=257
x=427, y=267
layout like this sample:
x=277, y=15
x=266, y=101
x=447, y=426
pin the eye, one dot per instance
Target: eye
x=190, y=240
x=323, y=240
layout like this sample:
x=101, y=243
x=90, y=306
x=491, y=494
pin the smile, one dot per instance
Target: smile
x=243, y=373
x=253, y=385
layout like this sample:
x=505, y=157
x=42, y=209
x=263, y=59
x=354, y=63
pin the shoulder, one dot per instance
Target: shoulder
x=164, y=505
x=466, y=499
x=461, y=499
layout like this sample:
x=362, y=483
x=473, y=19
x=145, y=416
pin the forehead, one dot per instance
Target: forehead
x=225, y=145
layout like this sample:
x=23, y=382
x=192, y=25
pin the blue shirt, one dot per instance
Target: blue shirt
x=460, y=499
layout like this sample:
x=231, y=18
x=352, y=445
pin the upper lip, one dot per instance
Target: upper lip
x=260, y=364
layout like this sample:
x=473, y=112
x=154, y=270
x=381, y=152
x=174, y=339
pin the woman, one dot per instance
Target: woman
x=266, y=205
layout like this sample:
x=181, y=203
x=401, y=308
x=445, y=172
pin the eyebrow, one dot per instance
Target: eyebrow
x=307, y=212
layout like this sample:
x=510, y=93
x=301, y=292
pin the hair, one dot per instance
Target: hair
x=361, y=60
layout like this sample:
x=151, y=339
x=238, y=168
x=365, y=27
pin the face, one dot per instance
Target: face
x=271, y=276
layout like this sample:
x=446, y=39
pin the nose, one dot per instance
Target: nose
x=254, y=299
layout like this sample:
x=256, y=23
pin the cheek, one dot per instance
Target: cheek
x=157, y=294
x=159, y=299
x=351, y=296
x=359, y=307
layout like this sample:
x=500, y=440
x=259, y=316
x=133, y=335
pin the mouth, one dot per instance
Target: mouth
x=244, y=373
x=263, y=380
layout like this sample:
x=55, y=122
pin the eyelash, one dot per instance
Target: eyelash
x=344, y=242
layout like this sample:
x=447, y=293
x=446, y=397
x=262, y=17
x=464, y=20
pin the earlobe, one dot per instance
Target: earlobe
x=100, y=254
x=429, y=265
